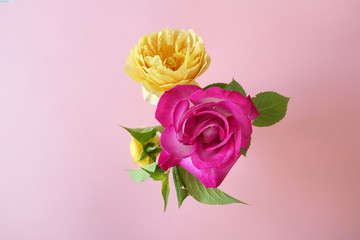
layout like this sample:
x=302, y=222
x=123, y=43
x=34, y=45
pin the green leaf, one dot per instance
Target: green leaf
x=150, y=150
x=156, y=150
x=159, y=169
x=243, y=152
x=165, y=190
x=139, y=175
x=197, y=190
x=143, y=155
x=152, y=156
x=150, y=147
x=143, y=135
x=159, y=128
x=235, y=86
x=155, y=175
x=220, y=85
x=272, y=108
x=181, y=193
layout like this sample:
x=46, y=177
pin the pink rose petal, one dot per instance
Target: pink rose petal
x=169, y=100
x=167, y=161
x=179, y=110
x=211, y=177
x=203, y=159
x=170, y=143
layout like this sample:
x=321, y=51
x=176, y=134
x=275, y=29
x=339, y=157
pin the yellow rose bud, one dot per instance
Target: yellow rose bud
x=164, y=59
x=137, y=151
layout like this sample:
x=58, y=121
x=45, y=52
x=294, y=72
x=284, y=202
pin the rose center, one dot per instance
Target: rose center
x=210, y=134
x=175, y=61
x=170, y=63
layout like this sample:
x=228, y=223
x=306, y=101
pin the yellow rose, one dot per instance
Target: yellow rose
x=148, y=155
x=164, y=59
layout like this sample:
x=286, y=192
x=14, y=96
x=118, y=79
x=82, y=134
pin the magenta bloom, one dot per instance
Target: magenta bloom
x=204, y=130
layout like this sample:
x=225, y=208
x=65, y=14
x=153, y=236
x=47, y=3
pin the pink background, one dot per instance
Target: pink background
x=63, y=157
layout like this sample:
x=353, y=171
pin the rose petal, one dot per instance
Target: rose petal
x=179, y=110
x=209, y=115
x=170, y=143
x=196, y=109
x=169, y=100
x=218, y=121
x=222, y=142
x=189, y=123
x=211, y=177
x=167, y=161
x=253, y=112
x=216, y=94
x=240, y=122
x=203, y=159
x=211, y=133
x=186, y=135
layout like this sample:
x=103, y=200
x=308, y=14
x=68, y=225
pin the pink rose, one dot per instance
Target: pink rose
x=204, y=130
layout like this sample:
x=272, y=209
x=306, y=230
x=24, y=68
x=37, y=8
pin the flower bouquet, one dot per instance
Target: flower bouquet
x=202, y=131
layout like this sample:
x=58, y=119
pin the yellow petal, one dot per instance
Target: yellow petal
x=164, y=59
